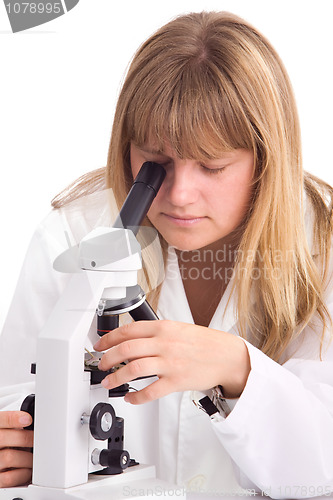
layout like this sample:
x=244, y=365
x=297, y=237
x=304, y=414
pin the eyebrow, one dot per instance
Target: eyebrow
x=153, y=151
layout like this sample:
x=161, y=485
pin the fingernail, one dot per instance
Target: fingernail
x=96, y=346
x=104, y=383
x=25, y=420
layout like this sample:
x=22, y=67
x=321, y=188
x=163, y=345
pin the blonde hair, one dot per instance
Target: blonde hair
x=209, y=82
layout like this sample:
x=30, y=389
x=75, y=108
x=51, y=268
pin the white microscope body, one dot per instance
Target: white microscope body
x=66, y=451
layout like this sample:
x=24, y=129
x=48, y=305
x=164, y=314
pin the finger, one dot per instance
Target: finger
x=15, y=477
x=14, y=419
x=152, y=392
x=137, y=329
x=12, y=458
x=129, y=350
x=16, y=437
x=137, y=368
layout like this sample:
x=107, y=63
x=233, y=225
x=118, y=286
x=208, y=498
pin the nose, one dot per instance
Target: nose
x=181, y=184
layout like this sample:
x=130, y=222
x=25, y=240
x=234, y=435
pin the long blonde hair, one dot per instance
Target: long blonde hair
x=208, y=82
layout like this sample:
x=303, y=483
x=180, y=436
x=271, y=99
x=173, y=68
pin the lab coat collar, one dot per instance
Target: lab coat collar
x=173, y=302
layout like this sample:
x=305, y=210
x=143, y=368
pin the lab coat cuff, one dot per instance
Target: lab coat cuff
x=12, y=396
x=252, y=396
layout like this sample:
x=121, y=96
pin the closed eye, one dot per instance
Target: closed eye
x=213, y=170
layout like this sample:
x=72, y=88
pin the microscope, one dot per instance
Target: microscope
x=78, y=438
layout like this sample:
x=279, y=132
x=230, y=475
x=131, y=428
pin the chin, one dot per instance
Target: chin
x=188, y=242
x=187, y=246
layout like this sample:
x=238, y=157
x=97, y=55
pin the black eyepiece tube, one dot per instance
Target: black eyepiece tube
x=142, y=193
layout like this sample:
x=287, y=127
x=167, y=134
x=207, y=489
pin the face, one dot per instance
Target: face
x=198, y=203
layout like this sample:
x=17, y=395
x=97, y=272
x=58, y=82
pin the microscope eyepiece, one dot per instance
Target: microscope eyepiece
x=152, y=174
x=142, y=194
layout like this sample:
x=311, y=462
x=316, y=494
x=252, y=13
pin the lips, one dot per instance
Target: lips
x=184, y=217
x=187, y=220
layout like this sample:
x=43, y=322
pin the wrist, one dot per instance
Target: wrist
x=234, y=387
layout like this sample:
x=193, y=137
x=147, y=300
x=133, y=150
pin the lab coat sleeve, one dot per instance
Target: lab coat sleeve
x=38, y=288
x=280, y=432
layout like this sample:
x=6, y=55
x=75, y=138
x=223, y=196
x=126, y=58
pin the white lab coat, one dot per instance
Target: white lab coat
x=278, y=437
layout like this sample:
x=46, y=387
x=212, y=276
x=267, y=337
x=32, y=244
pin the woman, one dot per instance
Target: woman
x=246, y=236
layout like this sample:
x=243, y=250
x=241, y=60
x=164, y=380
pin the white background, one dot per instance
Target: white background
x=59, y=83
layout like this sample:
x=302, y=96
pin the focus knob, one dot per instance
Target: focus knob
x=114, y=458
x=102, y=420
x=28, y=406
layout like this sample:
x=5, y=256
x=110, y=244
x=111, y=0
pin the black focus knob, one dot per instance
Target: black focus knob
x=102, y=421
x=114, y=458
x=28, y=406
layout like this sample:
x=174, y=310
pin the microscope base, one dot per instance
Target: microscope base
x=137, y=482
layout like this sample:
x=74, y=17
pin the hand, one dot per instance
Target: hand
x=15, y=444
x=183, y=356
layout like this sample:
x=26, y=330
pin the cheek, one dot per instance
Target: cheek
x=135, y=168
x=231, y=198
